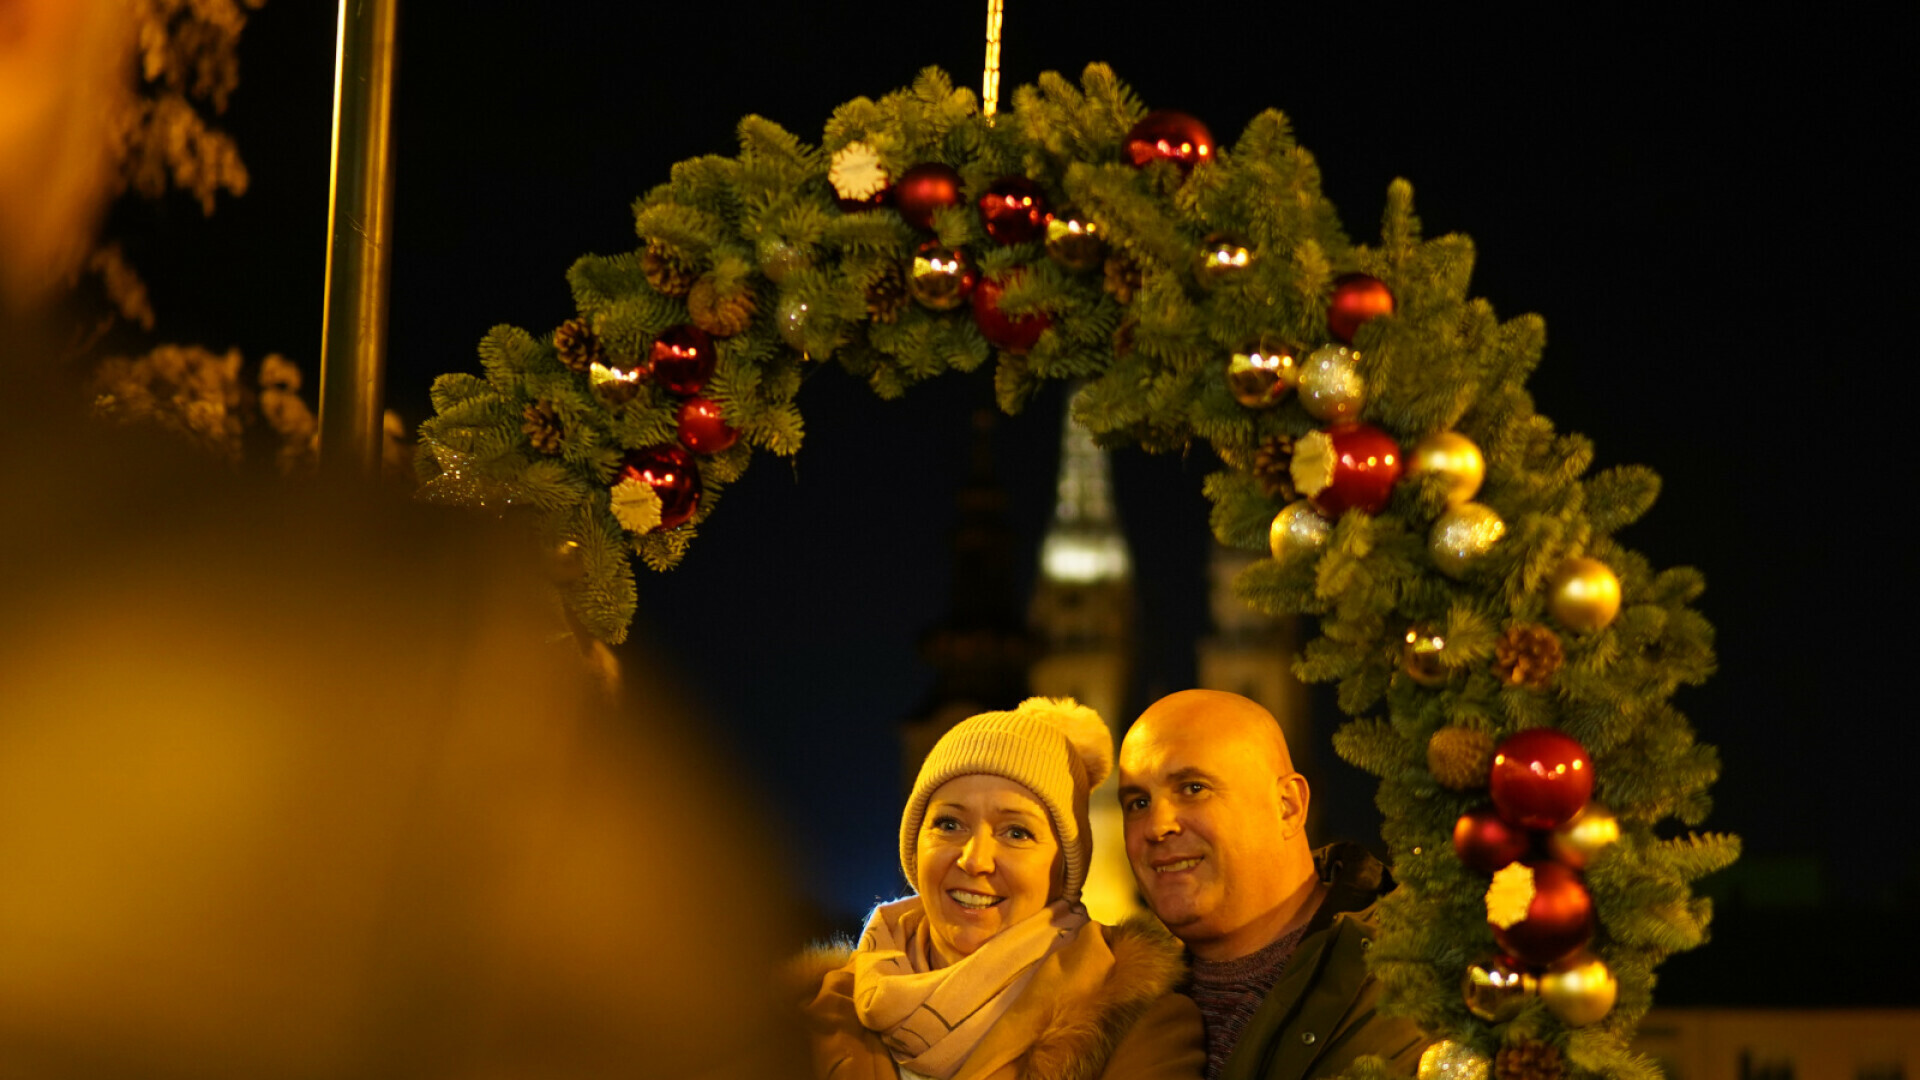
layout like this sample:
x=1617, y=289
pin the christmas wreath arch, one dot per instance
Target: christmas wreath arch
x=1508, y=665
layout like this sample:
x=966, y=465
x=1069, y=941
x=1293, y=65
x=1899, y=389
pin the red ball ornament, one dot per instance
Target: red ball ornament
x=1346, y=468
x=682, y=359
x=1356, y=299
x=1540, y=778
x=1168, y=135
x=1014, y=335
x=925, y=188
x=702, y=429
x=1557, y=916
x=673, y=476
x=1015, y=210
x=1484, y=840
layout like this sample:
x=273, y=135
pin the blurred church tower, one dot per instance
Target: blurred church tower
x=1082, y=612
x=981, y=650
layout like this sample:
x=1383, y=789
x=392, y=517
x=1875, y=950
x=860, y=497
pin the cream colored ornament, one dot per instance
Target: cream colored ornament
x=1331, y=386
x=1511, y=895
x=1579, y=990
x=1463, y=535
x=1453, y=458
x=636, y=506
x=1584, y=594
x=1297, y=529
x=1449, y=1060
x=856, y=172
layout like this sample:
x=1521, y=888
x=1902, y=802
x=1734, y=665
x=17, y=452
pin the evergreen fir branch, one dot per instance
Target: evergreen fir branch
x=1696, y=855
x=663, y=551
x=1620, y=496
x=763, y=142
x=505, y=353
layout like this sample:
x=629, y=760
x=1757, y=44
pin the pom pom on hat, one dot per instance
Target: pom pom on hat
x=1056, y=748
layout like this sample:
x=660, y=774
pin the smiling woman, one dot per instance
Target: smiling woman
x=993, y=969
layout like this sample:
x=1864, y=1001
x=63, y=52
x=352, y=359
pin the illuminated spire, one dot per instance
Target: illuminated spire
x=1083, y=543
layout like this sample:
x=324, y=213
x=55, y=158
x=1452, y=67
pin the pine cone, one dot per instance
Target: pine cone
x=1123, y=335
x=1273, y=468
x=887, y=296
x=1460, y=757
x=579, y=347
x=718, y=315
x=1527, y=1060
x=668, y=270
x=542, y=426
x=1528, y=654
x=1123, y=277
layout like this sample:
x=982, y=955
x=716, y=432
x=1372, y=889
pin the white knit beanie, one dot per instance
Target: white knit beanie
x=1056, y=748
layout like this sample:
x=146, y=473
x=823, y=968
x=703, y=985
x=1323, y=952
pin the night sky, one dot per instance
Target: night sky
x=1699, y=210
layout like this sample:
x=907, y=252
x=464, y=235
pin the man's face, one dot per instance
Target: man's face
x=1205, y=821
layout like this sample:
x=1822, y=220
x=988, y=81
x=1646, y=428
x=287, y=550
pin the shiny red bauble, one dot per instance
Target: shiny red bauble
x=1356, y=299
x=1558, y=921
x=673, y=476
x=1014, y=335
x=1168, y=135
x=682, y=359
x=702, y=429
x=1348, y=468
x=1486, y=841
x=1540, y=778
x=925, y=188
x=1015, y=210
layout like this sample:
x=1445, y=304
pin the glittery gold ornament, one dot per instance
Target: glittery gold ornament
x=1462, y=535
x=1459, y=757
x=1453, y=458
x=1297, y=529
x=790, y=318
x=1584, y=594
x=1331, y=386
x=1496, y=990
x=1222, y=256
x=778, y=258
x=1579, y=990
x=1420, y=656
x=615, y=385
x=941, y=278
x=1075, y=242
x=1260, y=374
x=1449, y=1060
x=1584, y=836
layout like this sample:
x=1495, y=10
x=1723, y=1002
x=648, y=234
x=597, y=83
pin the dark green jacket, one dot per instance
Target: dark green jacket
x=1321, y=1014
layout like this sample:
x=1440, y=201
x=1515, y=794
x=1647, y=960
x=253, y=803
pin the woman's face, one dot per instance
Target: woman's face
x=987, y=859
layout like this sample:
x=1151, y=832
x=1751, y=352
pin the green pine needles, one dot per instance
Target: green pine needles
x=757, y=249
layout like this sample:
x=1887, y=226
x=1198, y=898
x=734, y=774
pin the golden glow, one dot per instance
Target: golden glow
x=1454, y=459
x=990, y=82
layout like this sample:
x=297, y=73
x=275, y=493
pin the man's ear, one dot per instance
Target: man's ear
x=1295, y=797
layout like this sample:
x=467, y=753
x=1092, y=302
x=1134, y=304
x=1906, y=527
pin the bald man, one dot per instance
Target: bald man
x=1277, y=932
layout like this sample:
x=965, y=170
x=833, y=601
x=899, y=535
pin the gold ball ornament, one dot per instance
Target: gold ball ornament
x=1222, y=257
x=1421, y=656
x=1260, y=374
x=615, y=385
x=1075, y=242
x=1584, y=594
x=1579, y=990
x=1497, y=990
x=941, y=278
x=1453, y=458
x=1449, y=1060
x=1463, y=535
x=1590, y=832
x=1331, y=386
x=1297, y=529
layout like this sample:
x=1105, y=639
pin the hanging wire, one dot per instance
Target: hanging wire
x=990, y=85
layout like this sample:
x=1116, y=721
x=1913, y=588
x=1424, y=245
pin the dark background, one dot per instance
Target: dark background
x=1702, y=210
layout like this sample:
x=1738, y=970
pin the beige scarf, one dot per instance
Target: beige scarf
x=931, y=1019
